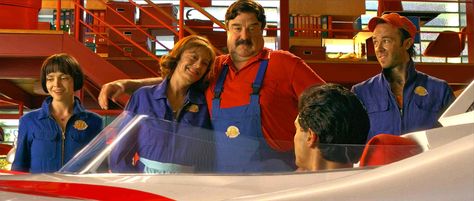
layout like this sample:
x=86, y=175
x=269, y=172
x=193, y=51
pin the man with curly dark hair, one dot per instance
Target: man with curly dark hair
x=331, y=128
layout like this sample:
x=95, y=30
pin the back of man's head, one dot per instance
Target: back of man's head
x=337, y=116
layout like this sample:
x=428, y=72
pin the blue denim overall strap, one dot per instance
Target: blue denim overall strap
x=156, y=167
x=240, y=145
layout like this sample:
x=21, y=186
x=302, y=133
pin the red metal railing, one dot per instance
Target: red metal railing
x=124, y=37
x=79, y=9
x=204, y=12
x=58, y=16
x=12, y=102
x=151, y=71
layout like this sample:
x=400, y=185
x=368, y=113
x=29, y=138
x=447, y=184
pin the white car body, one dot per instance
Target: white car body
x=443, y=171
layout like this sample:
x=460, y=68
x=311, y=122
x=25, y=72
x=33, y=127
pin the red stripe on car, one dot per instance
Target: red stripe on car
x=11, y=172
x=77, y=191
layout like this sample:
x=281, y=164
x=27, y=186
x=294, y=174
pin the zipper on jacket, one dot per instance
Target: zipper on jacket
x=177, y=118
x=63, y=138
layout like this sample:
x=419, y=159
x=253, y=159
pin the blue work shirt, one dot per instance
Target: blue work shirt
x=424, y=99
x=167, y=138
x=40, y=145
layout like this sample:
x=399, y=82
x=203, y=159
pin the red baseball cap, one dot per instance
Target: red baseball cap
x=396, y=20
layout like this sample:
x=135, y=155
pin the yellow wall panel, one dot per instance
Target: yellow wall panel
x=69, y=4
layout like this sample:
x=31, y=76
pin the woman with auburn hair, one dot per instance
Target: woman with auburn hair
x=168, y=145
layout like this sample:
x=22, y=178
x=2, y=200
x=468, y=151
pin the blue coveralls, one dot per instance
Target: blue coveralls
x=163, y=142
x=424, y=99
x=240, y=144
x=41, y=146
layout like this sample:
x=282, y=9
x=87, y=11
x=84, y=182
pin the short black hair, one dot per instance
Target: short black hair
x=64, y=63
x=246, y=6
x=337, y=116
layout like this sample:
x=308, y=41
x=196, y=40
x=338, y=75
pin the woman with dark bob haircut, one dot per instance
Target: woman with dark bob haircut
x=50, y=136
x=173, y=143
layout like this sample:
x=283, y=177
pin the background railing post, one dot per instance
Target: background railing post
x=58, y=16
x=181, y=19
x=78, y=14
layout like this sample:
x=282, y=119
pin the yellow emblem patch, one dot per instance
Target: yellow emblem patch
x=421, y=91
x=232, y=132
x=193, y=108
x=80, y=125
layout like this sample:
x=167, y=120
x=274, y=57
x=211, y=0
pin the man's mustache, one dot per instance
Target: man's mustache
x=243, y=42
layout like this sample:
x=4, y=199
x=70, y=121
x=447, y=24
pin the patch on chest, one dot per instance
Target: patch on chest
x=232, y=132
x=421, y=91
x=80, y=125
x=193, y=108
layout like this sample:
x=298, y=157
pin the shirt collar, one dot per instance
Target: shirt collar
x=194, y=95
x=45, y=112
x=264, y=54
x=160, y=89
x=411, y=74
x=411, y=71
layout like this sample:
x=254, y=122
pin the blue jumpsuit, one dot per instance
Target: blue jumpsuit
x=41, y=146
x=240, y=144
x=424, y=99
x=165, y=143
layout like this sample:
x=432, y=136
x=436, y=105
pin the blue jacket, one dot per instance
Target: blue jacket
x=424, y=99
x=184, y=140
x=40, y=147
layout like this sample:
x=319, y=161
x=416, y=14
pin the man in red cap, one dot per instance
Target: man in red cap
x=400, y=99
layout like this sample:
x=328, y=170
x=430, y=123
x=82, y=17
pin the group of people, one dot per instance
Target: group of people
x=249, y=98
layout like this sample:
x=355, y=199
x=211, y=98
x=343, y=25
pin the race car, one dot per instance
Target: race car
x=442, y=169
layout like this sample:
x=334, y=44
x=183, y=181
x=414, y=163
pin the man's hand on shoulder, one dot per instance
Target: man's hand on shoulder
x=110, y=90
x=116, y=88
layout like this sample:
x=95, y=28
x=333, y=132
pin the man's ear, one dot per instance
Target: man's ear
x=312, y=138
x=408, y=43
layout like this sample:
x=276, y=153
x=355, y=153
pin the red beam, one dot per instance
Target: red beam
x=17, y=94
x=10, y=116
x=20, y=67
x=349, y=73
x=31, y=44
x=284, y=24
x=58, y=16
x=78, y=14
x=107, y=112
x=181, y=19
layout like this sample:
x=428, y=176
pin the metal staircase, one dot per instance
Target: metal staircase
x=22, y=56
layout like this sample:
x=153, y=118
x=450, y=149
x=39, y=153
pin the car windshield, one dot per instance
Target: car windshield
x=143, y=144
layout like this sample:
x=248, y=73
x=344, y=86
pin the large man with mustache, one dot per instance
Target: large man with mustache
x=252, y=98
